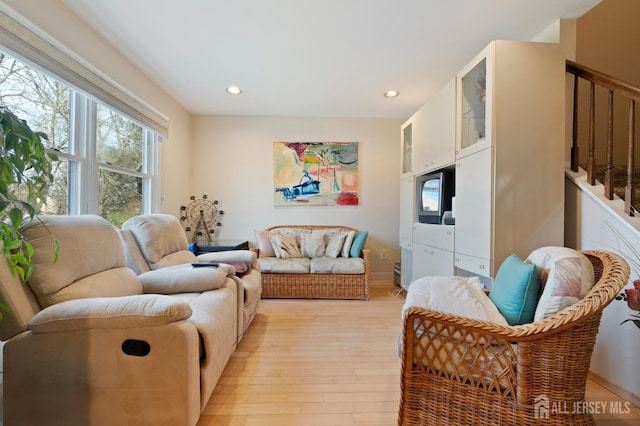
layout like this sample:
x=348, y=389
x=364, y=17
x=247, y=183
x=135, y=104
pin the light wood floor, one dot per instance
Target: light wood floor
x=314, y=362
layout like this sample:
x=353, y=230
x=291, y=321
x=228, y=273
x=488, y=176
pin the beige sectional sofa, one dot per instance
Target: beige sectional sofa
x=319, y=266
x=88, y=342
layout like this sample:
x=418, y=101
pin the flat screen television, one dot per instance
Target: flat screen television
x=434, y=192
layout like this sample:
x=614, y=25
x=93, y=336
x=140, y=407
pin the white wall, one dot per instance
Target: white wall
x=233, y=163
x=67, y=30
x=594, y=223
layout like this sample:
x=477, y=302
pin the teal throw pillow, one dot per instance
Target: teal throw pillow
x=358, y=243
x=515, y=290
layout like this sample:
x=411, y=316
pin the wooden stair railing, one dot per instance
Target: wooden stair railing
x=619, y=87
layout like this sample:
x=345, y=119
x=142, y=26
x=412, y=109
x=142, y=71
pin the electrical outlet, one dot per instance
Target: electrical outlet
x=383, y=254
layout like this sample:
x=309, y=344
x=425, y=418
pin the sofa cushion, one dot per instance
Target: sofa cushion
x=158, y=235
x=173, y=259
x=110, y=312
x=567, y=276
x=91, y=260
x=460, y=296
x=340, y=265
x=284, y=266
x=515, y=290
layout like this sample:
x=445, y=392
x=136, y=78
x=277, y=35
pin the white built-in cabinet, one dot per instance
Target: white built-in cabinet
x=435, y=132
x=473, y=212
x=501, y=122
x=509, y=154
x=432, y=250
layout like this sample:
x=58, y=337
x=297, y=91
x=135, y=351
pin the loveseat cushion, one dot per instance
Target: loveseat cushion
x=340, y=265
x=273, y=265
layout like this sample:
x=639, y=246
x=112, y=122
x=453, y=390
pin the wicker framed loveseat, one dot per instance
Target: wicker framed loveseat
x=339, y=280
x=458, y=371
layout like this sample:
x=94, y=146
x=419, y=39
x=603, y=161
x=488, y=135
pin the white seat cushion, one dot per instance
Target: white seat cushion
x=273, y=265
x=339, y=265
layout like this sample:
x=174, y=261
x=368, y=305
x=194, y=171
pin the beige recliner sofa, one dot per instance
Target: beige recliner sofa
x=157, y=241
x=88, y=344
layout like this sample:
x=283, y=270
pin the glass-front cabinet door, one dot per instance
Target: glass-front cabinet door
x=407, y=147
x=475, y=104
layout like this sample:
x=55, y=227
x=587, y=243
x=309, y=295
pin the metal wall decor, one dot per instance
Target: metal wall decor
x=203, y=215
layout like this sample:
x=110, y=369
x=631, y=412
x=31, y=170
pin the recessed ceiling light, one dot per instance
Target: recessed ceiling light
x=234, y=90
x=391, y=93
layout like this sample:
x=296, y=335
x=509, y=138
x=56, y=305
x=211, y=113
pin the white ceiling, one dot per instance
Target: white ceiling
x=325, y=58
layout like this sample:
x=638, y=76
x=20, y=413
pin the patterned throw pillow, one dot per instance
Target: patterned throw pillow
x=285, y=246
x=566, y=275
x=348, y=240
x=334, y=243
x=312, y=244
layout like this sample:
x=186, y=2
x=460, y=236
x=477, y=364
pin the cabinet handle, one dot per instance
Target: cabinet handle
x=481, y=266
x=458, y=165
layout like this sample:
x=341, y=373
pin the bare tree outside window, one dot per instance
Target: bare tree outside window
x=44, y=102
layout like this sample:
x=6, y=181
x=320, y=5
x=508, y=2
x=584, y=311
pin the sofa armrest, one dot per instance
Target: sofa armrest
x=110, y=313
x=231, y=256
x=185, y=279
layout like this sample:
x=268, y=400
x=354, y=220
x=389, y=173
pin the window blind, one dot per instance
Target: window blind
x=26, y=44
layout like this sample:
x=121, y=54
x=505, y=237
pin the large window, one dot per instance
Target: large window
x=107, y=161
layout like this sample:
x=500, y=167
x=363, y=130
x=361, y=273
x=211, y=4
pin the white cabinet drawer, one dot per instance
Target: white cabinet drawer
x=473, y=264
x=440, y=236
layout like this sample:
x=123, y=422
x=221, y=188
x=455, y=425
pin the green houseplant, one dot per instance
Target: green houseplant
x=25, y=174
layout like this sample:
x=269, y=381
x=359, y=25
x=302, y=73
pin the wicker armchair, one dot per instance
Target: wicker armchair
x=457, y=371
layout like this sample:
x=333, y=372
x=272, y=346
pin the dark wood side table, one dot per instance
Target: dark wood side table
x=222, y=245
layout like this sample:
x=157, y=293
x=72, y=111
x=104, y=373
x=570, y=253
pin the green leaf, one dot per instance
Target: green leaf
x=56, y=249
x=25, y=175
x=15, y=216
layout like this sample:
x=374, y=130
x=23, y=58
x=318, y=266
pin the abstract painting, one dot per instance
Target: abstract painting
x=315, y=174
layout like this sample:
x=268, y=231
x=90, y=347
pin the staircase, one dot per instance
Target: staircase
x=620, y=179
